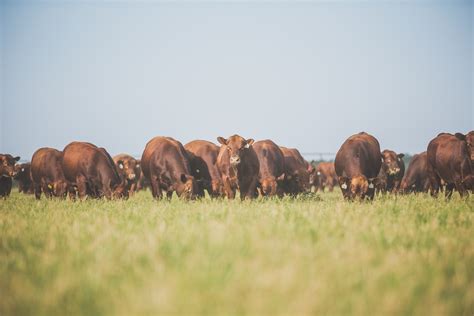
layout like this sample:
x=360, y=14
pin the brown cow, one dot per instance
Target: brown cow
x=23, y=178
x=92, y=171
x=420, y=176
x=391, y=173
x=450, y=158
x=7, y=171
x=47, y=173
x=207, y=152
x=129, y=170
x=297, y=172
x=272, y=167
x=357, y=165
x=165, y=163
x=326, y=176
x=239, y=166
x=470, y=147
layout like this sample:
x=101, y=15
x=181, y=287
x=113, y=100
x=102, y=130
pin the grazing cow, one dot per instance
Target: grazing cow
x=357, y=164
x=129, y=170
x=325, y=174
x=272, y=167
x=92, y=171
x=420, y=176
x=206, y=152
x=450, y=158
x=239, y=166
x=23, y=178
x=7, y=171
x=391, y=172
x=166, y=164
x=297, y=172
x=47, y=173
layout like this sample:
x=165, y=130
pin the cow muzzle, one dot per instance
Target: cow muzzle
x=393, y=171
x=131, y=176
x=234, y=160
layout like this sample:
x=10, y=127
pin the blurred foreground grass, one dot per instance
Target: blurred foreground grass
x=405, y=255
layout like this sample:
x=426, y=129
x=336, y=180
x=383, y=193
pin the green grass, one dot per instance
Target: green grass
x=405, y=255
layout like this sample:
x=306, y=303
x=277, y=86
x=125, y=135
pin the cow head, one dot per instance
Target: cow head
x=7, y=165
x=186, y=187
x=129, y=169
x=391, y=162
x=356, y=187
x=269, y=186
x=237, y=147
x=22, y=171
x=60, y=188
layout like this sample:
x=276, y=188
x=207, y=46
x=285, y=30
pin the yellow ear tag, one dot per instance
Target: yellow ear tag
x=50, y=186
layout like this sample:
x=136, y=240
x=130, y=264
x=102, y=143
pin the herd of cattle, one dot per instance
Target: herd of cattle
x=253, y=168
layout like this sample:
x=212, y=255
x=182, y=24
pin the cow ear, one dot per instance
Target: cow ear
x=16, y=158
x=250, y=142
x=222, y=140
x=120, y=164
x=460, y=136
x=183, y=178
x=401, y=156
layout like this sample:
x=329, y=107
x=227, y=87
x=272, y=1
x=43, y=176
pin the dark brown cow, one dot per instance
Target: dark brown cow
x=391, y=173
x=470, y=147
x=92, y=171
x=47, y=173
x=23, y=178
x=166, y=164
x=357, y=164
x=207, y=152
x=272, y=167
x=449, y=156
x=297, y=172
x=7, y=172
x=129, y=170
x=326, y=176
x=239, y=166
x=420, y=176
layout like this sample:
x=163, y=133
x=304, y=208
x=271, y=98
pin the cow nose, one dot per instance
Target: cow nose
x=235, y=160
x=131, y=176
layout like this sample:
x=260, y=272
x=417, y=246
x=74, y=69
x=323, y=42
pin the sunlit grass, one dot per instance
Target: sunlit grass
x=317, y=255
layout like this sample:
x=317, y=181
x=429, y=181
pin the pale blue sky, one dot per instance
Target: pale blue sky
x=305, y=74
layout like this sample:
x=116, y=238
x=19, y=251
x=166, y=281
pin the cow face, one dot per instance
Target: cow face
x=357, y=187
x=22, y=171
x=269, y=186
x=60, y=189
x=7, y=165
x=187, y=187
x=391, y=162
x=121, y=190
x=237, y=147
x=129, y=169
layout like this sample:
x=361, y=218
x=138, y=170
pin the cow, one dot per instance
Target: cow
x=272, y=167
x=92, y=171
x=325, y=174
x=7, y=172
x=297, y=172
x=357, y=165
x=450, y=157
x=23, y=178
x=239, y=166
x=47, y=173
x=166, y=165
x=206, y=152
x=129, y=170
x=420, y=176
x=470, y=147
x=391, y=172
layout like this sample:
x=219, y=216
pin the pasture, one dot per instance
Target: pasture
x=313, y=255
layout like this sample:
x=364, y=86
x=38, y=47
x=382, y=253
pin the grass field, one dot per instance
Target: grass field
x=319, y=255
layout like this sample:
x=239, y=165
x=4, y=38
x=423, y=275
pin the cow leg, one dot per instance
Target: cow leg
x=155, y=188
x=37, y=188
x=81, y=187
x=230, y=192
x=169, y=195
x=449, y=190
